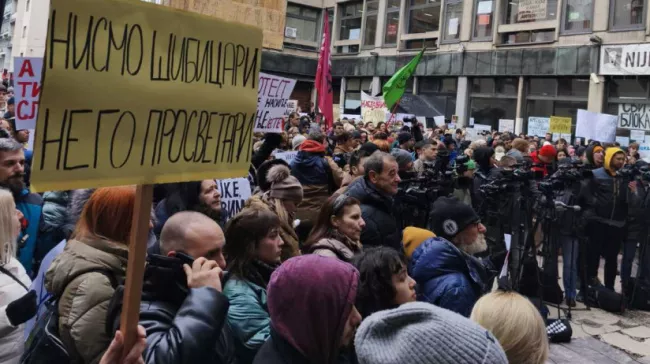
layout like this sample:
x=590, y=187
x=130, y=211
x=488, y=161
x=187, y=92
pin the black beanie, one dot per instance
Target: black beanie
x=449, y=216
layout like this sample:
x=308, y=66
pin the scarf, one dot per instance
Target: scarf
x=260, y=273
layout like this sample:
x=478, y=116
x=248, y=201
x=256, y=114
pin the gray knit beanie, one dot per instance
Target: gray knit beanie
x=402, y=157
x=421, y=333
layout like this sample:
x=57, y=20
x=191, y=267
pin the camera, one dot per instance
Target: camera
x=640, y=169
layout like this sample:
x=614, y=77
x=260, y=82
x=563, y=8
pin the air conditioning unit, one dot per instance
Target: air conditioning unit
x=290, y=32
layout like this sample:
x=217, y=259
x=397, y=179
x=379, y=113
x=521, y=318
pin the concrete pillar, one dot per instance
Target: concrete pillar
x=343, y=88
x=416, y=85
x=596, y=100
x=381, y=23
x=376, y=86
x=462, y=102
x=519, y=121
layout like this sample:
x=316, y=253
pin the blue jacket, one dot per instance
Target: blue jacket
x=447, y=277
x=31, y=205
x=310, y=168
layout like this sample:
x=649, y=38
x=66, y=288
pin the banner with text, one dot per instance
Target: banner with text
x=531, y=10
x=373, y=108
x=234, y=193
x=272, y=102
x=287, y=156
x=596, y=126
x=292, y=106
x=156, y=96
x=634, y=116
x=560, y=125
x=28, y=72
x=637, y=135
x=538, y=126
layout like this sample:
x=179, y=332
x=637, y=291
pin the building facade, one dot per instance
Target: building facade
x=30, y=30
x=6, y=31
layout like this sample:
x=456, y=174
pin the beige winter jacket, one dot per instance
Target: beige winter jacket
x=85, y=298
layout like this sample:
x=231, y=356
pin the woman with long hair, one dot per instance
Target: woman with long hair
x=253, y=249
x=338, y=229
x=86, y=273
x=281, y=199
x=14, y=283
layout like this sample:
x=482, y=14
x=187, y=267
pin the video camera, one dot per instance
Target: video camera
x=640, y=170
x=566, y=175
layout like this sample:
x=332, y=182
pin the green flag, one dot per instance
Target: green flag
x=394, y=88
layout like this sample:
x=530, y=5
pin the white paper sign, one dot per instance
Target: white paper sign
x=471, y=121
x=272, y=96
x=634, y=116
x=637, y=135
x=538, y=126
x=452, y=125
x=484, y=7
x=292, y=106
x=27, y=91
x=506, y=125
x=234, y=193
x=644, y=151
x=482, y=127
x=286, y=156
x=558, y=136
x=531, y=10
x=596, y=126
x=421, y=120
x=623, y=141
x=439, y=120
x=453, y=26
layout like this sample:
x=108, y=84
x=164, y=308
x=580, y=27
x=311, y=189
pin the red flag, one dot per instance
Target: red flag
x=324, y=77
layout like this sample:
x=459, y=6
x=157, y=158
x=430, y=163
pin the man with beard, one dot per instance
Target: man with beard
x=445, y=269
x=12, y=173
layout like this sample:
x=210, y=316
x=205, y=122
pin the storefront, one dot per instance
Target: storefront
x=492, y=99
x=627, y=71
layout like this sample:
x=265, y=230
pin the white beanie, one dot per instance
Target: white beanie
x=421, y=333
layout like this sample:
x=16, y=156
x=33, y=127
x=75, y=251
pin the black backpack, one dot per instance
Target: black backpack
x=44, y=343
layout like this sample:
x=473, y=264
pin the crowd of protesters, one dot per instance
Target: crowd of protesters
x=313, y=269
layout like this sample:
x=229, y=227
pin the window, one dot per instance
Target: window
x=577, y=16
x=626, y=14
x=483, y=20
x=354, y=86
x=304, y=20
x=424, y=16
x=556, y=97
x=628, y=88
x=24, y=31
x=420, y=43
x=351, y=21
x=392, y=22
x=578, y=87
x=530, y=36
x=526, y=11
x=439, y=93
x=453, y=15
x=370, y=30
x=348, y=49
x=542, y=86
x=27, y=6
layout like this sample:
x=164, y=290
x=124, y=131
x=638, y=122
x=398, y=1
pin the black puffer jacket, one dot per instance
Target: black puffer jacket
x=186, y=326
x=376, y=209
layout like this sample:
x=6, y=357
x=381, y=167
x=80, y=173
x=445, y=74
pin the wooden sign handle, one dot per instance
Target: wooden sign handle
x=136, y=265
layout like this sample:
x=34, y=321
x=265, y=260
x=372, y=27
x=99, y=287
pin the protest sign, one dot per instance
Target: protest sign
x=292, y=106
x=623, y=141
x=373, y=108
x=506, y=125
x=596, y=126
x=286, y=156
x=634, y=116
x=272, y=100
x=175, y=102
x=234, y=193
x=531, y=10
x=471, y=121
x=538, y=126
x=336, y=112
x=439, y=120
x=27, y=91
x=560, y=125
x=637, y=135
x=644, y=151
x=452, y=125
x=558, y=136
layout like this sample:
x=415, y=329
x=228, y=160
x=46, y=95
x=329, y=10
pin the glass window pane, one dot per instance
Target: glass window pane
x=350, y=29
x=306, y=29
x=578, y=87
x=627, y=13
x=453, y=15
x=483, y=19
x=483, y=85
x=366, y=84
x=488, y=111
x=577, y=15
x=370, y=31
x=393, y=5
x=293, y=9
x=449, y=85
x=372, y=6
x=349, y=9
x=525, y=11
x=348, y=49
x=310, y=13
x=507, y=86
x=420, y=43
x=628, y=88
x=392, y=24
x=429, y=84
x=424, y=20
x=353, y=84
x=542, y=86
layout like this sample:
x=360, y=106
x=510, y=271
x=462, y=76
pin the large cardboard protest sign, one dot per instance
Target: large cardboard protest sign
x=272, y=100
x=27, y=91
x=136, y=93
x=373, y=108
x=596, y=126
x=269, y=15
x=234, y=193
x=506, y=125
x=538, y=126
x=560, y=125
x=634, y=116
x=531, y=10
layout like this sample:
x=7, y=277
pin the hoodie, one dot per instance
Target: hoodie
x=482, y=157
x=589, y=153
x=607, y=195
x=309, y=299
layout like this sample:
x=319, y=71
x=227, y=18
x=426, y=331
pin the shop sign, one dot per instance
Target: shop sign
x=531, y=10
x=629, y=59
x=633, y=116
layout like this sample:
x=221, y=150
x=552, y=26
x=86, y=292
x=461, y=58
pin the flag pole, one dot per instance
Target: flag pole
x=392, y=113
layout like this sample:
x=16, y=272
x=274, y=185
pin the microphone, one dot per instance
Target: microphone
x=562, y=205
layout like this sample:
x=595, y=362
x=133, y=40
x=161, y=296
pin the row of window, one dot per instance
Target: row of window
x=358, y=20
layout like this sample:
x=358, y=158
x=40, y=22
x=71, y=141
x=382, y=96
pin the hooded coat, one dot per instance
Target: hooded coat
x=607, y=196
x=589, y=153
x=448, y=277
x=85, y=294
x=376, y=209
x=308, y=311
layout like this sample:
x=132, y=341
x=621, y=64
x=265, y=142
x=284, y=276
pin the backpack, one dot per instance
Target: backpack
x=44, y=344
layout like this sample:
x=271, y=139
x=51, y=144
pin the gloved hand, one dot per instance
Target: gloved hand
x=22, y=309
